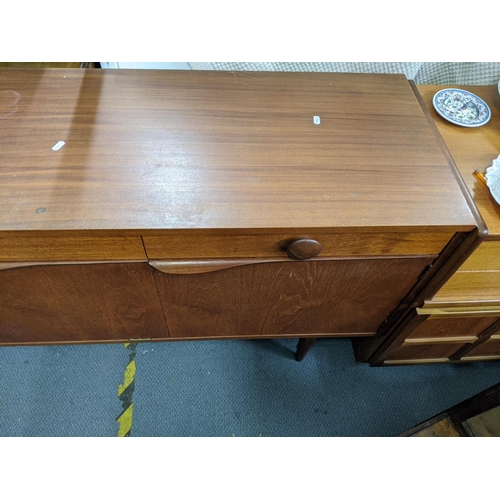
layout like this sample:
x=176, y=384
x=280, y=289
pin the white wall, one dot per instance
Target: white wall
x=146, y=65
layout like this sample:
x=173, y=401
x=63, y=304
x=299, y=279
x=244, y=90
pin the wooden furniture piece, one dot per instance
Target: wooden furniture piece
x=478, y=416
x=195, y=205
x=461, y=321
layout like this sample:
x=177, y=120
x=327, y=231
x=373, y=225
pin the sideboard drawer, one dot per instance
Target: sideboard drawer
x=478, y=279
x=23, y=247
x=426, y=353
x=470, y=286
x=437, y=328
x=283, y=298
x=203, y=245
x=485, y=351
x=485, y=258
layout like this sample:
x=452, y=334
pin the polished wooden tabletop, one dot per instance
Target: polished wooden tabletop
x=158, y=150
x=473, y=148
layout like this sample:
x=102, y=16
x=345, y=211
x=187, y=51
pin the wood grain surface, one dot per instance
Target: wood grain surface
x=473, y=148
x=441, y=428
x=74, y=303
x=485, y=258
x=65, y=245
x=453, y=327
x=470, y=286
x=405, y=352
x=193, y=149
x=200, y=244
x=459, y=311
x=489, y=348
x=485, y=424
x=287, y=298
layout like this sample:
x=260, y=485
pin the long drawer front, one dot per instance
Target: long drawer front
x=489, y=350
x=478, y=279
x=199, y=244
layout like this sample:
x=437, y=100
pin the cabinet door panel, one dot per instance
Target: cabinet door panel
x=287, y=298
x=79, y=303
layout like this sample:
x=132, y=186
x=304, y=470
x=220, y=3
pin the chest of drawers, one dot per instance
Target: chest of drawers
x=194, y=205
x=460, y=320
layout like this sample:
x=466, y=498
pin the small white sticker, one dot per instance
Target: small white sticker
x=316, y=120
x=59, y=145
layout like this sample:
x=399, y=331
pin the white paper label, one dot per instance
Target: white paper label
x=316, y=120
x=59, y=145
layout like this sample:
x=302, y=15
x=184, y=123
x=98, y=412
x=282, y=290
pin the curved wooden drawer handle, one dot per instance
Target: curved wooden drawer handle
x=303, y=249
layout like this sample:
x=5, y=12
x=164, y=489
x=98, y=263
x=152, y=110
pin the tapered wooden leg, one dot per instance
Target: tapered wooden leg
x=303, y=347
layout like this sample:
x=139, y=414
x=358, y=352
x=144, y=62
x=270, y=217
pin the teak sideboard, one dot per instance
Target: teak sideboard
x=197, y=205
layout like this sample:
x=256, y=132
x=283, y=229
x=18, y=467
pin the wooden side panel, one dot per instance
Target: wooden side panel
x=287, y=298
x=74, y=303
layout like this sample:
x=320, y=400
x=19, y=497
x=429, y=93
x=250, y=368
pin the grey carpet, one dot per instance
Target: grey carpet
x=224, y=388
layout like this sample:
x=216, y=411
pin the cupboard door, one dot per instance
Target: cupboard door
x=284, y=298
x=79, y=303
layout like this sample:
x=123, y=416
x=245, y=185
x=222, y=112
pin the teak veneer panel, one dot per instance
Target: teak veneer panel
x=485, y=258
x=429, y=352
x=442, y=428
x=489, y=348
x=79, y=302
x=473, y=148
x=60, y=247
x=450, y=328
x=152, y=150
x=287, y=298
x=470, y=286
x=335, y=244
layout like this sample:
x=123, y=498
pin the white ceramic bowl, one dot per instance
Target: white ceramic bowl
x=493, y=179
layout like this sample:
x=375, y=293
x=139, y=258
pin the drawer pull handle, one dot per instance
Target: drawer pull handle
x=303, y=249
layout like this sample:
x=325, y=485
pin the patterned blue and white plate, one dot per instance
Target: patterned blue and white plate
x=461, y=107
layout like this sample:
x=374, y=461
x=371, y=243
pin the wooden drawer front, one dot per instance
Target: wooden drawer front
x=485, y=258
x=79, y=303
x=28, y=248
x=198, y=245
x=428, y=353
x=470, y=286
x=487, y=350
x=290, y=298
x=454, y=329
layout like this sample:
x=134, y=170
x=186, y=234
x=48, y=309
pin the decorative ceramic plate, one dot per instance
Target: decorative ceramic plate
x=461, y=107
